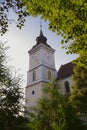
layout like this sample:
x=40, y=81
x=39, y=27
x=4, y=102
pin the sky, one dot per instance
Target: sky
x=20, y=41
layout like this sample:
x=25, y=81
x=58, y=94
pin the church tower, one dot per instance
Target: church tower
x=41, y=69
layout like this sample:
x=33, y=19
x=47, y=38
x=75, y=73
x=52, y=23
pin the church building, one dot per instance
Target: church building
x=42, y=69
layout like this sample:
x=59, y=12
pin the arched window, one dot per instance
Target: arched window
x=67, y=87
x=34, y=75
x=49, y=75
x=33, y=92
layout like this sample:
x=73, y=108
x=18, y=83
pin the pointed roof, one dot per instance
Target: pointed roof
x=41, y=38
x=65, y=70
x=41, y=33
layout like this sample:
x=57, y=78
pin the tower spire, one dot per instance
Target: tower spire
x=41, y=38
x=41, y=33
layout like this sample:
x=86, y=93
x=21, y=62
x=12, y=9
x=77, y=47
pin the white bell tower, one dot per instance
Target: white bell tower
x=41, y=69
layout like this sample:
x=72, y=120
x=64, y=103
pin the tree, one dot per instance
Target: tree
x=66, y=17
x=49, y=111
x=79, y=95
x=73, y=121
x=11, y=5
x=53, y=112
x=11, y=96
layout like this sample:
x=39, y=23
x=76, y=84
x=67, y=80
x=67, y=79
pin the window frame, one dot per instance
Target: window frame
x=67, y=87
x=34, y=75
x=49, y=74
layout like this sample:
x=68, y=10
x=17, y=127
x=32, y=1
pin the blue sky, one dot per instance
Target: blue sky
x=20, y=41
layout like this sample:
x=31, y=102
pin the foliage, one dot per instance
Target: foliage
x=79, y=95
x=17, y=7
x=49, y=111
x=66, y=17
x=11, y=96
x=82, y=61
x=53, y=112
x=73, y=122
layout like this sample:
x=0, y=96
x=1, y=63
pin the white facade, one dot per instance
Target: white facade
x=41, y=63
x=65, y=78
x=62, y=84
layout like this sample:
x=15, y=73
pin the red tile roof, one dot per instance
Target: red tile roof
x=65, y=70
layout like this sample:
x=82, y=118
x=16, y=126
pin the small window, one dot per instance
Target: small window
x=67, y=87
x=33, y=92
x=34, y=75
x=49, y=75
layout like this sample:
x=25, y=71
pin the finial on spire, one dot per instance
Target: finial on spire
x=40, y=25
x=41, y=33
x=41, y=38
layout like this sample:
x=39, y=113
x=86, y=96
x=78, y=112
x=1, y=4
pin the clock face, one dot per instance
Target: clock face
x=46, y=57
x=35, y=59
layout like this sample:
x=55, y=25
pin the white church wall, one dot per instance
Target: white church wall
x=41, y=60
x=48, y=57
x=41, y=74
x=34, y=59
x=33, y=94
x=38, y=71
x=61, y=83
